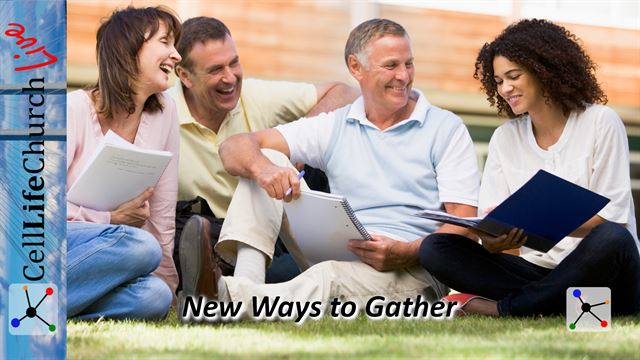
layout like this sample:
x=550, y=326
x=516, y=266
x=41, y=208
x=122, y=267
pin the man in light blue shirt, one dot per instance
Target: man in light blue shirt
x=391, y=153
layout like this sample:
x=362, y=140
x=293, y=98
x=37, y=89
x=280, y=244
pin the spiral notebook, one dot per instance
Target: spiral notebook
x=321, y=225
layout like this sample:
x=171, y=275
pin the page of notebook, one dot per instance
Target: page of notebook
x=321, y=226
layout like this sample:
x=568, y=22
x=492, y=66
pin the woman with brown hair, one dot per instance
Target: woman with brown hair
x=536, y=73
x=119, y=262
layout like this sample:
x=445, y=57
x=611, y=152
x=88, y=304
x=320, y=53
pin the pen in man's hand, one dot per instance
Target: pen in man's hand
x=300, y=175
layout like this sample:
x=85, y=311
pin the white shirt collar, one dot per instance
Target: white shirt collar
x=419, y=114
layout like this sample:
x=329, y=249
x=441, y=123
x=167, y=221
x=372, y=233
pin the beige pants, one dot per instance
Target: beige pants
x=255, y=219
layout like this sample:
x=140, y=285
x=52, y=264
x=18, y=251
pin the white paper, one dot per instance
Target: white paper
x=321, y=226
x=118, y=172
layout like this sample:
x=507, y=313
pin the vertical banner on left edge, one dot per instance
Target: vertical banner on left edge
x=32, y=179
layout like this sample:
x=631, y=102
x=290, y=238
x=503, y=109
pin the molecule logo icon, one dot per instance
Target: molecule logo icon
x=33, y=309
x=588, y=309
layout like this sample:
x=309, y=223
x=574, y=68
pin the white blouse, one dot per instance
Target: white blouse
x=592, y=152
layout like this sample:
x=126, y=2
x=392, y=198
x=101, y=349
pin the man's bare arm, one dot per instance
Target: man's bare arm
x=242, y=156
x=460, y=210
x=331, y=96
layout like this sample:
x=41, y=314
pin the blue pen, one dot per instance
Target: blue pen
x=300, y=175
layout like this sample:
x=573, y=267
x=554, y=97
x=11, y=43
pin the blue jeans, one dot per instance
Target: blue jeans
x=607, y=257
x=109, y=273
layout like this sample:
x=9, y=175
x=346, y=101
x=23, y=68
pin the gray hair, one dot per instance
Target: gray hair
x=367, y=31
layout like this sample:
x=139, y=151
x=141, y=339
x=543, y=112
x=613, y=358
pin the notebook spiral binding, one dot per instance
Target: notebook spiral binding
x=352, y=216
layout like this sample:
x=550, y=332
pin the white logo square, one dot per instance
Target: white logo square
x=33, y=309
x=588, y=309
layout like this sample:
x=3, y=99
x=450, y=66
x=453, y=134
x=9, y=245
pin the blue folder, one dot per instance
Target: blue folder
x=547, y=208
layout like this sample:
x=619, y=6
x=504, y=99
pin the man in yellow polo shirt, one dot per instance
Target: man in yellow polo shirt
x=214, y=103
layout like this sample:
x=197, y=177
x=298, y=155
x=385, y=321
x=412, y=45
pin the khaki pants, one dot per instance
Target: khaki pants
x=255, y=219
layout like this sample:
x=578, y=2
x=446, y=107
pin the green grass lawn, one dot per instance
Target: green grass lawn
x=469, y=337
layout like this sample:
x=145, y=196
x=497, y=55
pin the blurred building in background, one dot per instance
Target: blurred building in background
x=304, y=40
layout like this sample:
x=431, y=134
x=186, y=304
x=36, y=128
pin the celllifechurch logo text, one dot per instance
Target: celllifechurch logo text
x=32, y=136
x=199, y=308
x=33, y=192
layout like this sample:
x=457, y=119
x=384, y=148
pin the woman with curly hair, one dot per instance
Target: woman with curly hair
x=536, y=73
